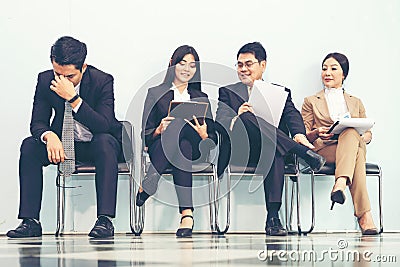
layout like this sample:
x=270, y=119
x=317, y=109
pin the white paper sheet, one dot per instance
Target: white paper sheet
x=360, y=124
x=268, y=101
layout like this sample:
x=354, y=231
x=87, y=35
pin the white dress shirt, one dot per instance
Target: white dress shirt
x=178, y=96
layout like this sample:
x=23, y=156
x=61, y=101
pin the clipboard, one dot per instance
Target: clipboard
x=361, y=125
x=188, y=109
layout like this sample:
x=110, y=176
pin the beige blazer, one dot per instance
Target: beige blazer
x=315, y=114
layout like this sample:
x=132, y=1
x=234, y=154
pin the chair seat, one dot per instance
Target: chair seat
x=329, y=169
x=243, y=169
x=88, y=167
x=372, y=169
x=203, y=168
x=290, y=169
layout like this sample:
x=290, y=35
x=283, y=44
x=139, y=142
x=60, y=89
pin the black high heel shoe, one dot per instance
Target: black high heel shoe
x=337, y=197
x=141, y=198
x=185, y=232
x=149, y=186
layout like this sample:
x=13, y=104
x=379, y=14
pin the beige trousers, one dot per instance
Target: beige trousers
x=349, y=154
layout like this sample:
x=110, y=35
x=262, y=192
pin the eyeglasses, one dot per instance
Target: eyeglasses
x=248, y=64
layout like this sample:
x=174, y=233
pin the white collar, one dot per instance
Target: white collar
x=176, y=88
x=333, y=90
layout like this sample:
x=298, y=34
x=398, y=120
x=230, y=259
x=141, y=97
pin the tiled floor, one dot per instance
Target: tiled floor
x=203, y=250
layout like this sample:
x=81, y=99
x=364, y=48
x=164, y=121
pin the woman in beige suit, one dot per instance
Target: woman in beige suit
x=348, y=149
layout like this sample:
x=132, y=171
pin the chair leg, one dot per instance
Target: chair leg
x=216, y=204
x=289, y=207
x=298, y=206
x=380, y=201
x=287, y=221
x=297, y=202
x=136, y=219
x=211, y=202
x=312, y=208
x=60, y=183
x=295, y=187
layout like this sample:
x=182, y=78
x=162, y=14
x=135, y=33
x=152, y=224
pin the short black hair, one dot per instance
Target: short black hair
x=254, y=48
x=68, y=51
x=342, y=59
x=177, y=56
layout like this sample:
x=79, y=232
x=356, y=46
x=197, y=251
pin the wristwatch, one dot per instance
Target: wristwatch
x=74, y=98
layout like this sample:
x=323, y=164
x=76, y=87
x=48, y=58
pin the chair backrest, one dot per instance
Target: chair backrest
x=128, y=142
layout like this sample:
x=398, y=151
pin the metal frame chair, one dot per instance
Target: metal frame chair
x=207, y=168
x=125, y=168
x=329, y=170
x=291, y=172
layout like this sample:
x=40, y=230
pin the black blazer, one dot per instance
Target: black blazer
x=230, y=98
x=156, y=108
x=96, y=111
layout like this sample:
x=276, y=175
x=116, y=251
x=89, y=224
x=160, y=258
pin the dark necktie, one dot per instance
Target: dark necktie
x=68, y=166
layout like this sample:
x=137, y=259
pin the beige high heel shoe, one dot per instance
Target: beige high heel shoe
x=368, y=231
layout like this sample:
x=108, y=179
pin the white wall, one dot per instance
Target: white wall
x=133, y=40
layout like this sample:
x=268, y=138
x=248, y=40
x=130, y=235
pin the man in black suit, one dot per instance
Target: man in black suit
x=97, y=135
x=254, y=141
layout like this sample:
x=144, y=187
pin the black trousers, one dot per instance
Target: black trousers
x=258, y=143
x=177, y=148
x=104, y=151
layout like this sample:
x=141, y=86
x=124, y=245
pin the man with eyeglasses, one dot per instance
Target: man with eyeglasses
x=253, y=142
x=97, y=135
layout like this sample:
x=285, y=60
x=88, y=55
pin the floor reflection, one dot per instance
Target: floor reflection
x=202, y=250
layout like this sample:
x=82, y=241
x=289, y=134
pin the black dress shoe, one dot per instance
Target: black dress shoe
x=28, y=228
x=314, y=160
x=275, y=228
x=185, y=232
x=103, y=228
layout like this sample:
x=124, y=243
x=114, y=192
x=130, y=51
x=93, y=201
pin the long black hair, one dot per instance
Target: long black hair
x=177, y=56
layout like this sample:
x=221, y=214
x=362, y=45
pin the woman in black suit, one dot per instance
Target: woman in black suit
x=174, y=142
